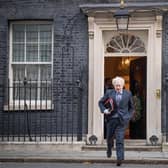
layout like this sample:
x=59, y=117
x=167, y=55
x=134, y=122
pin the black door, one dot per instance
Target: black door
x=138, y=88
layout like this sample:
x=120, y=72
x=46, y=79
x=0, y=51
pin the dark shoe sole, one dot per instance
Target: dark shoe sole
x=108, y=154
x=119, y=163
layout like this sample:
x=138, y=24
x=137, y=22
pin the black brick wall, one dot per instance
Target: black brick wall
x=70, y=63
x=165, y=76
x=70, y=25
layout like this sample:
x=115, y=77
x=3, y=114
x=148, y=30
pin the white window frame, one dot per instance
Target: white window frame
x=34, y=104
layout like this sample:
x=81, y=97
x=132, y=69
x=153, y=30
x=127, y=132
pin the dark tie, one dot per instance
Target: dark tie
x=118, y=97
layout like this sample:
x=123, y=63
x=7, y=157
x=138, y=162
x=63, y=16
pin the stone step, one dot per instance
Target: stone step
x=130, y=145
x=127, y=148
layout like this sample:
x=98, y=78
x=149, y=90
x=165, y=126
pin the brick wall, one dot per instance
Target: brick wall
x=165, y=76
x=70, y=25
x=70, y=33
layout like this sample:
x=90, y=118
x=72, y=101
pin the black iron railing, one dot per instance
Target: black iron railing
x=28, y=94
x=40, y=111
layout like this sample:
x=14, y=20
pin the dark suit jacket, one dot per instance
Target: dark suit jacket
x=124, y=109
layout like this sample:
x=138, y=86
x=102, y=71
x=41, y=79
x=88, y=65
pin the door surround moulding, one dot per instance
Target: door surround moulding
x=96, y=73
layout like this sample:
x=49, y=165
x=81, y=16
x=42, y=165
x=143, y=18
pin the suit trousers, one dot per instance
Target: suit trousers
x=115, y=128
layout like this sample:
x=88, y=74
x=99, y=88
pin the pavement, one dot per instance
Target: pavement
x=80, y=156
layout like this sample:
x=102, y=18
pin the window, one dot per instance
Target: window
x=31, y=50
x=125, y=43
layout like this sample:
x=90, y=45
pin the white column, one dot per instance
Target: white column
x=91, y=75
x=154, y=81
x=157, y=75
x=98, y=128
x=96, y=71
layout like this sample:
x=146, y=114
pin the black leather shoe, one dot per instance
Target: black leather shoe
x=112, y=144
x=108, y=154
x=119, y=162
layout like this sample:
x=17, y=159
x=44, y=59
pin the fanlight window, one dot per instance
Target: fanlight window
x=125, y=43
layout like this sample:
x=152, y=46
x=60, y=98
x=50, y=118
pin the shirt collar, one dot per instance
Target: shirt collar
x=120, y=92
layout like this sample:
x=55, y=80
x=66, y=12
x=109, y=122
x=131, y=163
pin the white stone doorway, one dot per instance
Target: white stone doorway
x=101, y=31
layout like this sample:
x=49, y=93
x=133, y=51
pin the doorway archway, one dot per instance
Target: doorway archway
x=119, y=62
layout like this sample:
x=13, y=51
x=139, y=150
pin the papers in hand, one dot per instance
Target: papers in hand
x=108, y=104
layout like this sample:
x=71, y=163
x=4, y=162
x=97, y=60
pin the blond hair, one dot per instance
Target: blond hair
x=118, y=80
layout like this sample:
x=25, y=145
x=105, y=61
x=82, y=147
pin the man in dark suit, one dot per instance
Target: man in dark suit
x=117, y=118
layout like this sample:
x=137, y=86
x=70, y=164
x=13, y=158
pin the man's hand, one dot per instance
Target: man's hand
x=106, y=111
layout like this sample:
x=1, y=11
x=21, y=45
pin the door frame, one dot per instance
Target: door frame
x=97, y=25
x=137, y=58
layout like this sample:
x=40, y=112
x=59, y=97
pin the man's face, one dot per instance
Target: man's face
x=118, y=87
